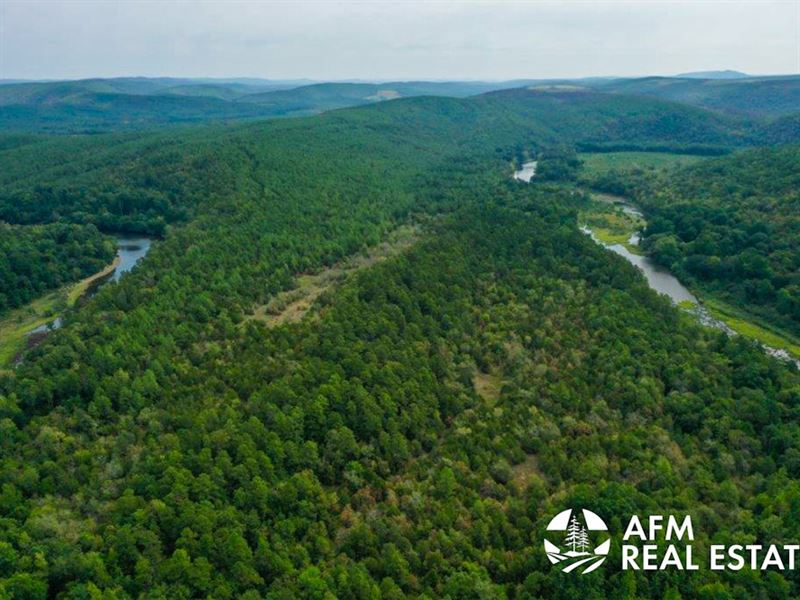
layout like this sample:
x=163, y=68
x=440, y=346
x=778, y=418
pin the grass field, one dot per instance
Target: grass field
x=600, y=162
x=17, y=324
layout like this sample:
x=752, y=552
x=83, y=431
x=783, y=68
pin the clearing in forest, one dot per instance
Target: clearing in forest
x=292, y=305
x=487, y=386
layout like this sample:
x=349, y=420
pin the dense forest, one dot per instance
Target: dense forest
x=141, y=183
x=415, y=432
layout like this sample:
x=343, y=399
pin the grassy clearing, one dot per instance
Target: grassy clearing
x=17, y=324
x=79, y=289
x=600, y=162
x=487, y=386
x=293, y=305
x=609, y=223
x=750, y=326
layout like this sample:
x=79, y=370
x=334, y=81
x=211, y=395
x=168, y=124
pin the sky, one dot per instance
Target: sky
x=383, y=40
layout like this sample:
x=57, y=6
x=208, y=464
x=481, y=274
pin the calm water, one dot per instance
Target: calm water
x=130, y=252
x=527, y=172
x=660, y=279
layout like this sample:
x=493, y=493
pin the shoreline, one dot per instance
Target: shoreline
x=21, y=322
x=737, y=320
x=78, y=289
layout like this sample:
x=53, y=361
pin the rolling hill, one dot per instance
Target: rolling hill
x=753, y=96
x=98, y=105
x=128, y=104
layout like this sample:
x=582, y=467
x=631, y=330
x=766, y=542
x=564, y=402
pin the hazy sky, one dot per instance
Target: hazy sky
x=394, y=40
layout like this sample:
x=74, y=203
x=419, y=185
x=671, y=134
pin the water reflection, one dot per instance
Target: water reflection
x=130, y=251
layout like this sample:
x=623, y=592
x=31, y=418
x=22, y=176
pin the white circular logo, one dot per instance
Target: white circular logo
x=581, y=545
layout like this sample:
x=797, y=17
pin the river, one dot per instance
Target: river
x=659, y=278
x=664, y=282
x=129, y=252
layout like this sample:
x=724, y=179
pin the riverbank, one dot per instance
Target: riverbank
x=28, y=325
x=80, y=288
x=21, y=322
x=750, y=326
x=615, y=223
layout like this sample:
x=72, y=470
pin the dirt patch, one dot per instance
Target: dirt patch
x=293, y=305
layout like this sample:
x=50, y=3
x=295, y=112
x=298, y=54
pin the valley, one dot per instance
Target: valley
x=367, y=360
x=625, y=240
x=743, y=313
x=28, y=325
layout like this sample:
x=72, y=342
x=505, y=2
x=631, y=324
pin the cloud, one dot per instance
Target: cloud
x=391, y=40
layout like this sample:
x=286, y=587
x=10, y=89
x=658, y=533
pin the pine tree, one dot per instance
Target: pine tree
x=583, y=539
x=573, y=533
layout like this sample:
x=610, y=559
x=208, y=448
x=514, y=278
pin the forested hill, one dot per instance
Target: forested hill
x=141, y=182
x=751, y=96
x=730, y=226
x=414, y=432
x=597, y=120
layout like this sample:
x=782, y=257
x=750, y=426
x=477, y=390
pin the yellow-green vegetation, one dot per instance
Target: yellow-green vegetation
x=599, y=162
x=609, y=223
x=487, y=386
x=750, y=326
x=79, y=289
x=526, y=472
x=17, y=324
x=292, y=305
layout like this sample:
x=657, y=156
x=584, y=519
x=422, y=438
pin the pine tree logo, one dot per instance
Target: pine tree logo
x=579, y=549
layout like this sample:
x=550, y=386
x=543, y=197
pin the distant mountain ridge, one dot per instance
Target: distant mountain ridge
x=136, y=103
x=97, y=105
x=726, y=74
x=759, y=97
